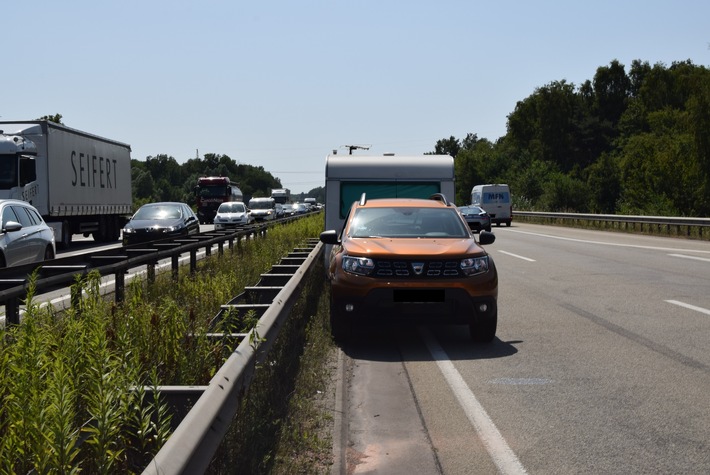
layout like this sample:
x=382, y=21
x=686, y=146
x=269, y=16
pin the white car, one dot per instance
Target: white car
x=24, y=236
x=232, y=214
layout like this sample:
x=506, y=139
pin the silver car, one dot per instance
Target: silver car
x=24, y=236
x=232, y=214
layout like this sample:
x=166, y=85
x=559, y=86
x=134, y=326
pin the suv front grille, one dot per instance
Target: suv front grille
x=417, y=269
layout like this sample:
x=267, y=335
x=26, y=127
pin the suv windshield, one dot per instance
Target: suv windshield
x=407, y=223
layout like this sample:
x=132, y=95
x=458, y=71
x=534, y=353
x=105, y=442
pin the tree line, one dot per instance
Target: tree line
x=162, y=178
x=635, y=142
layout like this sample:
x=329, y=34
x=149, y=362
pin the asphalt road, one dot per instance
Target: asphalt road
x=601, y=365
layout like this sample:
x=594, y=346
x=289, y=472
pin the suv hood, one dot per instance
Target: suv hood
x=415, y=247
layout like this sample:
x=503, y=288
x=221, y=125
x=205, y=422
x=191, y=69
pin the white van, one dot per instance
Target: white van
x=262, y=209
x=495, y=200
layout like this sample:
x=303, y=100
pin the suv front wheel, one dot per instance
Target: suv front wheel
x=483, y=330
x=340, y=324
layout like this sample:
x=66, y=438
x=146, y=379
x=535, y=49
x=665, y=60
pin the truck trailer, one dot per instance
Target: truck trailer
x=79, y=182
x=347, y=177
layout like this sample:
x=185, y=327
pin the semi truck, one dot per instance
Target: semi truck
x=79, y=182
x=281, y=195
x=212, y=191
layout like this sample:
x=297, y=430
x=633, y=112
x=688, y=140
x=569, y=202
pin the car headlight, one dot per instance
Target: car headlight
x=358, y=265
x=474, y=265
x=128, y=230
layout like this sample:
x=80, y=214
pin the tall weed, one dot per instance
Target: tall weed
x=72, y=384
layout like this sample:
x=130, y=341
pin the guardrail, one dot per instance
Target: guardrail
x=196, y=439
x=62, y=272
x=678, y=226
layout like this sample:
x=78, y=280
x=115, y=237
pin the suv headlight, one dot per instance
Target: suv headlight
x=474, y=265
x=358, y=265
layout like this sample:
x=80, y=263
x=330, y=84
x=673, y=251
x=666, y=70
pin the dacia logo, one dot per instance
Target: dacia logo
x=418, y=267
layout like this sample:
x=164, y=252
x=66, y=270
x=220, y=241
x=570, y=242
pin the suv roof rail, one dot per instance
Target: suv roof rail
x=363, y=199
x=440, y=197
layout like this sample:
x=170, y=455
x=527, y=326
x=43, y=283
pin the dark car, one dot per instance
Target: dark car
x=410, y=260
x=160, y=221
x=476, y=217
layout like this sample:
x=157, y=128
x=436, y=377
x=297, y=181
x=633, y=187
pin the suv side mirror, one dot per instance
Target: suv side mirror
x=484, y=237
x=329, y=237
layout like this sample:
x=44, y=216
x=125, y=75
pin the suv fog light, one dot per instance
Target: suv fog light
x=483, y=308
x=349, y=307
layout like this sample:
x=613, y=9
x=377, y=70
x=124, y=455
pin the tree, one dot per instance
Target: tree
x=611, y=92
x=450, y=146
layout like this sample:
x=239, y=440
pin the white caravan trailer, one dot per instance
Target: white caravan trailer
x=495, y=200
x=347, y=177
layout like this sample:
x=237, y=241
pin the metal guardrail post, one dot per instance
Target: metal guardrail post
x=193, y=261
x=12, y=311
x=120, y=287
x=150, y=270
x=175, y=261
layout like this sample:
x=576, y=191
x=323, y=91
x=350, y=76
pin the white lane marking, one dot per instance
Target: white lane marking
x=682, y=256
x=587, y=241
x=688, y=306
x=515, y=255
x=499, y=450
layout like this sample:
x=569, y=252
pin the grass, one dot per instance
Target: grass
x=282, y=426
x=65, y=378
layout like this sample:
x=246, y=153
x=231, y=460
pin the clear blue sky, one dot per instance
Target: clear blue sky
x=280, y=84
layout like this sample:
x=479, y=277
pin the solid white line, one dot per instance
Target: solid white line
x=502, y=455
x=515, y=255
x=603, y=243
x=704, y=259
x=688, y=306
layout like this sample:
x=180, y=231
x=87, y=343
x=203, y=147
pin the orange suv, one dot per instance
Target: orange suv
x=411, y=260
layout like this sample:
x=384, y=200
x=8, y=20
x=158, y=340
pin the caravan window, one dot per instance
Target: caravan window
x=352, y=191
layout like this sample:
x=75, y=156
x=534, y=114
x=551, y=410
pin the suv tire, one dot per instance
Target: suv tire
x=340, y=325
x=484, y=329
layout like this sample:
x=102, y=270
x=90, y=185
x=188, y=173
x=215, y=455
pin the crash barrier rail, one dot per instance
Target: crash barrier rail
x=688, y=227
x=193, y=444
x=62, y=272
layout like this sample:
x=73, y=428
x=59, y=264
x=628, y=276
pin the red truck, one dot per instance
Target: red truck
x=212, y=191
